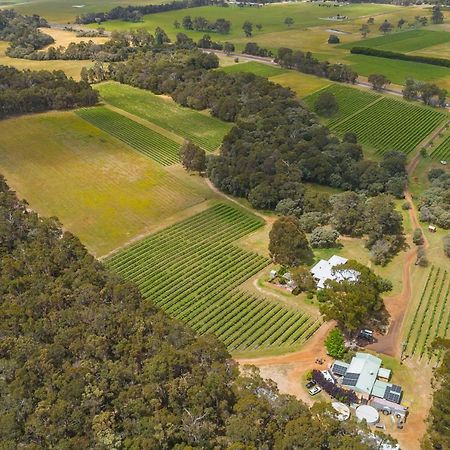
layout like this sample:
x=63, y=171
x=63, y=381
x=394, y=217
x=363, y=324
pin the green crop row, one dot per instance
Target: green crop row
x=192, y=270
x=152, y=144
x=442, y=151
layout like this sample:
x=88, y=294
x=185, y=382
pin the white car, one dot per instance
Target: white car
x=312, y=387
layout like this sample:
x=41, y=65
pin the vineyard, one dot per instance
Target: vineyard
x=392, y=125
x=192, y=270
x=200, y=128
x=432, y=315
x=143, y=139
x=350, y=101
x=442, y=151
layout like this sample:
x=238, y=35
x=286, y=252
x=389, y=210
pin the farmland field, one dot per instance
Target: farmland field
x=101, y=190
x=442, y=150
x=152, y=144
x=392, y=125
x=350, y=101
x=192, y=270
x=261, y=69
x=302, y=84
x=432, y=314
x=200, y=128
x=404, y=41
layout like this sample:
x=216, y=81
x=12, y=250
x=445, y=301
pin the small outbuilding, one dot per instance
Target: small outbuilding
x=431, y=228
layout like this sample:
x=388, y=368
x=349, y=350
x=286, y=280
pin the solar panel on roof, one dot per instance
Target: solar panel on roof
x=396, y=388
x=393, y=397
x=350, y=379
x=339, y=370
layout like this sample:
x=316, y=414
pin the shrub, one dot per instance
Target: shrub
x=333, y=39
x=335, y=344
x=418, y=236
x=343, y=395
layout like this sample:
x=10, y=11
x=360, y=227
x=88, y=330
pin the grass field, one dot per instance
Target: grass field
x=302, y=84
x=350, y=101
x=143, y=139
x=404, y=41
x=432, y=315
x=71, y=68
x=200, y=128
x=261, y=69
x=391, y=124
x=192, y=270
x=101, y=190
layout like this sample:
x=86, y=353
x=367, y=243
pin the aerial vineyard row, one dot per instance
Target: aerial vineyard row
x=152, y=144
x=442, y=151
x=192, y=270
x=432, y=315
x=392, y=125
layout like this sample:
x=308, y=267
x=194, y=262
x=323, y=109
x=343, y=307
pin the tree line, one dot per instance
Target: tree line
x=87, y=363
x=200, y=23
x=37, y=91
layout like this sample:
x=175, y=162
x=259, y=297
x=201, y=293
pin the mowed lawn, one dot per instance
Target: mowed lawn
x=261, y=69
x=102, y=190
x=199, y=127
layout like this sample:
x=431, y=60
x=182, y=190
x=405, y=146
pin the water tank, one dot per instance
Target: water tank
x=367, y=413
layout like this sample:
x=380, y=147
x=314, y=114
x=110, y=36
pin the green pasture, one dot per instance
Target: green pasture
x=199, y=127
x=101, y=190
x=404, y=41
x=261, y=69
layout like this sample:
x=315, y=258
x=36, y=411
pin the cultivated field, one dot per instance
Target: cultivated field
x=350, y=101
x=200, y=128
x=103, y=191
x=391, y=124
x=432, y=314
x=302, y=84
x=261, y=69
x=193, y=270
x=143, y=139
x=442, y=150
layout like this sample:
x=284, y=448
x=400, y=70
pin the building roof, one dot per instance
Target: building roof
x=362, y=373
x=325, y=270
x=384, y=373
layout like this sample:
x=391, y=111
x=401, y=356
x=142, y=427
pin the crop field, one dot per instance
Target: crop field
x=350, y=101
x=261, y=69
x=442, y=151
x=202, y=129
x=101, y=190
x=404, y=41
x=432, y=315
x=192, y=270
x=152, y=144
x=392, y=125
x=302, y=84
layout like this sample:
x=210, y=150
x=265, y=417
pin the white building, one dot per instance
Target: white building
x=325, y=270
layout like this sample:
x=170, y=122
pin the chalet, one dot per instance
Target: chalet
x=326, y=270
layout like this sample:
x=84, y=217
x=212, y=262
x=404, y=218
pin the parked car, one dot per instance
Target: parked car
x=312, y=387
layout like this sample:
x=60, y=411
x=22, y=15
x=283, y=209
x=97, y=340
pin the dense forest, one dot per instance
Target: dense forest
x=276, y=143
x=37, y=91
x=86, y=363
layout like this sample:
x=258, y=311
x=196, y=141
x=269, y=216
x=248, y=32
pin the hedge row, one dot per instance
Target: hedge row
x=394, y=55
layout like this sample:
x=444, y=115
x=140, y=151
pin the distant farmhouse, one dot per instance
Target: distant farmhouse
x=325, y=270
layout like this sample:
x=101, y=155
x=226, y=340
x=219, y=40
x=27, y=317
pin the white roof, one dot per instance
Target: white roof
x=323, y=271
x=384, y=373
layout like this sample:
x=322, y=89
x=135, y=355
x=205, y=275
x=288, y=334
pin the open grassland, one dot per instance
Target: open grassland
x=70, y=68
x=404, y=41
x=199, y=127
x=192, y=270
x=302, y=84
x=64, y=37
x=143, y=139
x=397, y=71
x=101, y=190
x=350, y=101
x=271, y=17
x=261, y=69
x=431, y=318
x=391, y=124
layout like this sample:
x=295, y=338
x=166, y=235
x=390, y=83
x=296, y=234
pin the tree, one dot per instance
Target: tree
x=385, y=27
x=371, y=20
x=335, y=344
x=418, y=236
x=248, y=28
x=364, y=30
x=176, y=24
x=446, y=244
x=303, y=279
x=421, y=257
x=379, y=81
x=400, y=23
x=187, y=23
x=348, y=213
x=259, y=26
x=288, y=244
x=322, y=237
x=333, y=39
x=437, y=16
x=228, y=48
x=193, y=157
x=161, y=37
x=326, y=104
x=353, y=303
x=289, y=21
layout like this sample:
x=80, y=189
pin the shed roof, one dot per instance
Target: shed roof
x=362, y=372
x=384, y=373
